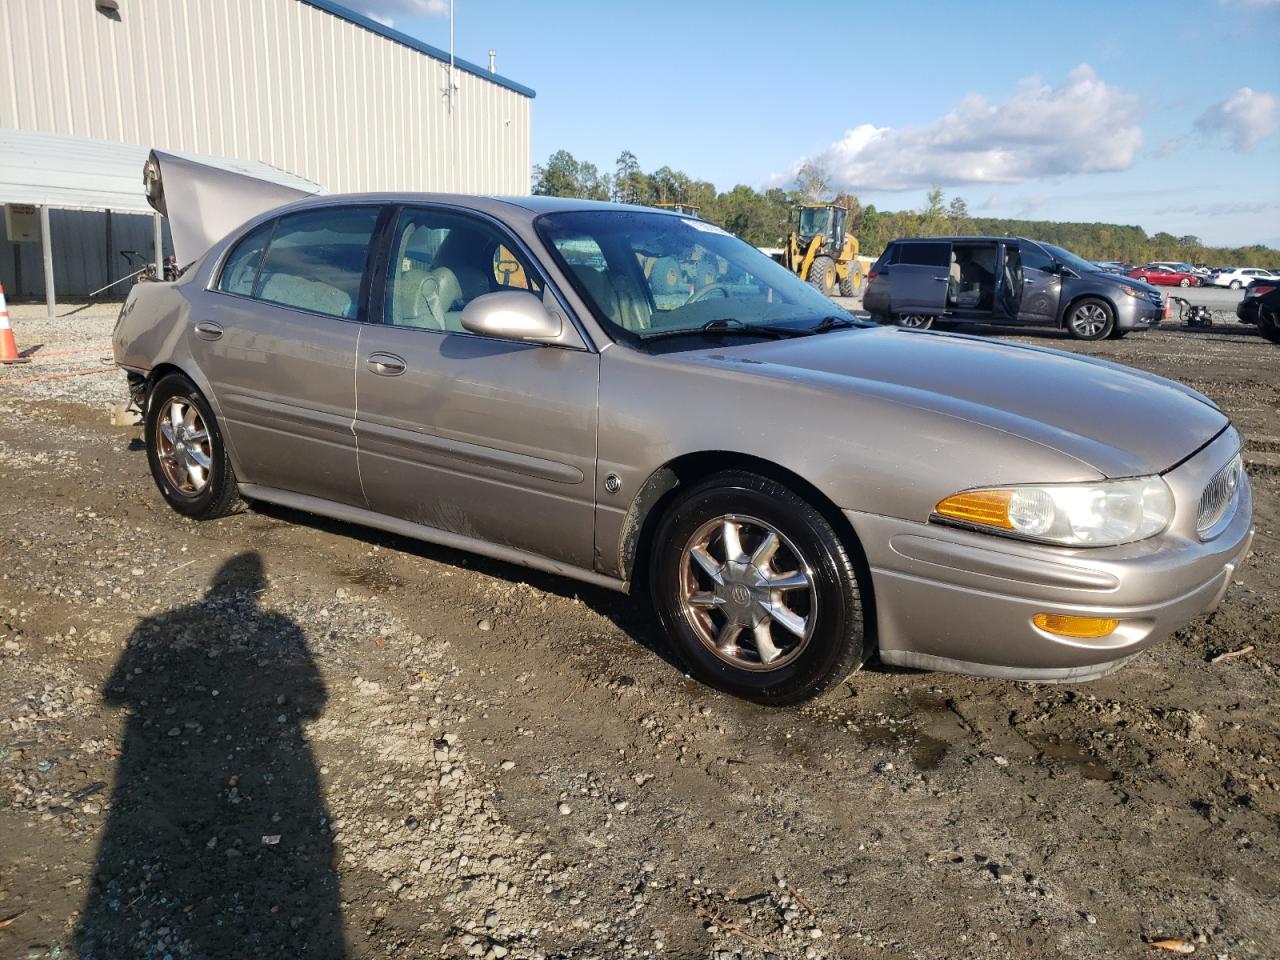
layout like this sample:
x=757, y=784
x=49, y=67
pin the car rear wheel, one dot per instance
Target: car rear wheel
x=1235, y=284
x=822, y=275
x=918, y=321
x=756, y=591
x=186, y=453
x=1090, y=319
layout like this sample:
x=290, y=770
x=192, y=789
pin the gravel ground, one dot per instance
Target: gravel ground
x=275, y=735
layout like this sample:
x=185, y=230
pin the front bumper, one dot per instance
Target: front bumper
x=950, y=599
x=1139, y=313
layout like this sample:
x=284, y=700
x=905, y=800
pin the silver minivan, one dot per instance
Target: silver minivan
x=1006, y=281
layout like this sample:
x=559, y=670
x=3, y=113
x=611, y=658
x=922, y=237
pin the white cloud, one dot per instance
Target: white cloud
x=1245, y=118
x=1081, y=126
x=385, y=11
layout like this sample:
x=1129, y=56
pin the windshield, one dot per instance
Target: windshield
x=815, y=221
x=645, y=274
x=1078, y=264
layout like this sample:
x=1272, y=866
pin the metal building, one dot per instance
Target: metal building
x=306, y=86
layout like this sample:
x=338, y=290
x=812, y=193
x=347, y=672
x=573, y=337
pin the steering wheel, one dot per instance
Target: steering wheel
x=699, y=295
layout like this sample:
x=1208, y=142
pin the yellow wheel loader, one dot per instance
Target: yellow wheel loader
x=819, y=251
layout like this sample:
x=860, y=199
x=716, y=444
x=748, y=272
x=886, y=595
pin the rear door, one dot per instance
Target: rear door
x=1041, y=284
x=489, y=439
x=1009, y=284
x=918, y=280
x=277, y=335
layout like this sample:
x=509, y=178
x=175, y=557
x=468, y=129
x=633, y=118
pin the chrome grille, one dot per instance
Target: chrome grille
x=1219, y=498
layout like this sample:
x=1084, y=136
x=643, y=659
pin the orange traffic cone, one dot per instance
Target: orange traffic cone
x=8, y=346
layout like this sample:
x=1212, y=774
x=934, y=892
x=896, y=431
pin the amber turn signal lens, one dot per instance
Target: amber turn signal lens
x=1078, y=628
x=989, y=508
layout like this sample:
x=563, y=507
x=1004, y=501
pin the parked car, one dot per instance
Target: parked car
x=1111, y=266
x=1005, y=280
x=1163, y=276
x=1181, y=266
x=1260, y=306
x=794, y=489
x=1237, y=277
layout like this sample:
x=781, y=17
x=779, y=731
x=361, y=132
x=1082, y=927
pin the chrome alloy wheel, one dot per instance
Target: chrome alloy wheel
x=917, y=320
x=184, y=448
x=1089, y=319
x=747, y=593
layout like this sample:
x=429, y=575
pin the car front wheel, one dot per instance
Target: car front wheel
x=756, y=590
x=1184, y=282
x=185, y=451
x=1235, y=284
x=1091, y=319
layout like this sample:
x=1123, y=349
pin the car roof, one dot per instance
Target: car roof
x=532, y=204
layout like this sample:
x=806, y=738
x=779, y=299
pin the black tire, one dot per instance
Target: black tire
x=851, y=283
x=219, y=495
x=1117, y=334
x=915, y=321
x=836, y=644
x=1269, y=325
x=1090, y=318
x=822, y=275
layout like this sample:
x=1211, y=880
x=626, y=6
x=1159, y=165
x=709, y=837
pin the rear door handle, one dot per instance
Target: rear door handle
x=207, y=330
x=942, y=279
x=386, y=364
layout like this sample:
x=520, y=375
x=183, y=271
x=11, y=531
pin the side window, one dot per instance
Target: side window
x=316, y=260
x=441, y=261
x=1033, y=256
x=926, y=254
x=241, y=268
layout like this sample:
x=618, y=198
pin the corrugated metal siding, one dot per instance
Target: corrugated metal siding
x=272, y=80
x=82, y=262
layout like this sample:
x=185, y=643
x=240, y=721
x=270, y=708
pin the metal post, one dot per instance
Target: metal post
x=46, y=248
x=159, y=244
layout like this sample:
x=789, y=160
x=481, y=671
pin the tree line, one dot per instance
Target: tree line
x=764, y=217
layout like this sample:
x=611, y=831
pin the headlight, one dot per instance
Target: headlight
x=1133, y=292
x=1098, y=514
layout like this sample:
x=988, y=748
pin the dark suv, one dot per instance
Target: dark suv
x=1007, y=281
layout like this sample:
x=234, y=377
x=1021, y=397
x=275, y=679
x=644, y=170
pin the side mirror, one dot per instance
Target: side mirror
x=511, y=315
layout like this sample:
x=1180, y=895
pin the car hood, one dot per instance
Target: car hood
x=1123, y=280
x=1117, y=420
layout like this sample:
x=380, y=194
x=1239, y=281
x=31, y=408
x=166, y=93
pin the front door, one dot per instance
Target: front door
x=1041, y=285
x=918, y=280
x=277, y=339
x=490, y=439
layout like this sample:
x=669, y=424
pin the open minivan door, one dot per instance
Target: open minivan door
x=1009, y=294
x=919, y=278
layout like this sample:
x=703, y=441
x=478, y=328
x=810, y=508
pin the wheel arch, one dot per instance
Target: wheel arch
x=658, y=492
x=1087, y=295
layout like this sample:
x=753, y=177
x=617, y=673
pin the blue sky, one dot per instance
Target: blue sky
x=1162, y=114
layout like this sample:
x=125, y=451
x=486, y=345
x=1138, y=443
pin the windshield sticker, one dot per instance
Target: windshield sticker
x=703, y=226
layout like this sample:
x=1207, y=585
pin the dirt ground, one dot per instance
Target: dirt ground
x=275, y=735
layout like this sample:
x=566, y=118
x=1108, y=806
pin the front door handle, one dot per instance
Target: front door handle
x=942, y=279
x=386, y=364
x=207, y=330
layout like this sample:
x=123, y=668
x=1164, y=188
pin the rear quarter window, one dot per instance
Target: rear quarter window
x=241, y=269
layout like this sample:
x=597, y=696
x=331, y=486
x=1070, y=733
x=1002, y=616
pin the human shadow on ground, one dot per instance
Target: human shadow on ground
x=218, y=843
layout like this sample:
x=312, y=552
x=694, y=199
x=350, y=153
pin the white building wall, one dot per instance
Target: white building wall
x=273, y=80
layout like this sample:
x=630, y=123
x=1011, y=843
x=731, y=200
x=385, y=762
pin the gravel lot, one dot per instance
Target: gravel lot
x=275, y=735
